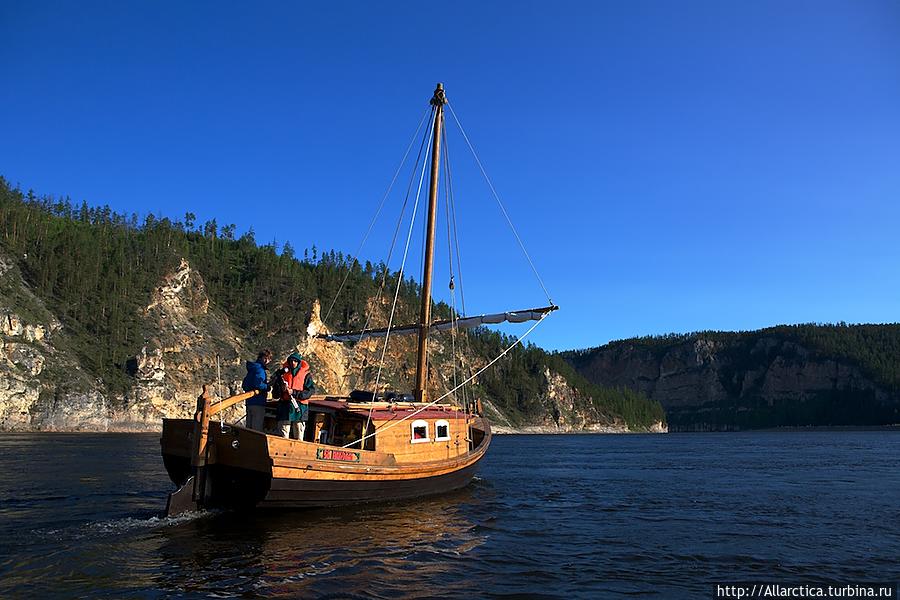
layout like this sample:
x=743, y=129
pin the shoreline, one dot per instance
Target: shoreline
x=497, y=430
x=543, y=430
x=827, y=428
x=504, y=430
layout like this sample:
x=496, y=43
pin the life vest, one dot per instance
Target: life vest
x=294, y=383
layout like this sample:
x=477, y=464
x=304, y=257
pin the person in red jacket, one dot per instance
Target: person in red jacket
x=293, y=406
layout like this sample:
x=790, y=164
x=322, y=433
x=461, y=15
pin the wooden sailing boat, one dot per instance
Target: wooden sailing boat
x=352, y=451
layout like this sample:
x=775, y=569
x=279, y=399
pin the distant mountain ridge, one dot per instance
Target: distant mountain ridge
x=108, y=323
x=784, y=376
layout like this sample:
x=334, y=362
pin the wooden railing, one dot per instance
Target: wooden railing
x=205, y=410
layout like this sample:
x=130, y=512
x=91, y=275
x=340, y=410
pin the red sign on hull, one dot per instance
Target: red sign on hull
x=336, y=454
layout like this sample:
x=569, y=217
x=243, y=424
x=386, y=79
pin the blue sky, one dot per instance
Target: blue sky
x=671, y=166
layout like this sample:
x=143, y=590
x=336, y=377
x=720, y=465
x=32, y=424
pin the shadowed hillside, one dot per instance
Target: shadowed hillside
x=790, y=375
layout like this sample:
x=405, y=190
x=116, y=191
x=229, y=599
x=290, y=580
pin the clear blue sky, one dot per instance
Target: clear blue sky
x=671, y=166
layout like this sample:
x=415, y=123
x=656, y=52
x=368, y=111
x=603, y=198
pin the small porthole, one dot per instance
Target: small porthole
x=419, y=431
x=442, y=431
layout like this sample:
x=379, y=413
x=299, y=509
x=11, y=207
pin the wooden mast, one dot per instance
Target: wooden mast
x=437, y=102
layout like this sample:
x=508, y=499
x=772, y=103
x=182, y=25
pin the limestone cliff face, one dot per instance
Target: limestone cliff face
x=755, y=381
x=568, y=411
x=42, y=386
x=332, y=360
x=184, y=339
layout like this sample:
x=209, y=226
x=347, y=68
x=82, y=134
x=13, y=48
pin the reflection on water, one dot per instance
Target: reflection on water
x=548, y=517
x=291, y=553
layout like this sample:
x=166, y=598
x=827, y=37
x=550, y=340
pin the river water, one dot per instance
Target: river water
x=586, y=516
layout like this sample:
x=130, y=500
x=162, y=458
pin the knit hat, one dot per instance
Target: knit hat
x=296, y=356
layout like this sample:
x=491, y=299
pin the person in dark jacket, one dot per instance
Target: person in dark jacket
x=293, y=406
x=256, y=379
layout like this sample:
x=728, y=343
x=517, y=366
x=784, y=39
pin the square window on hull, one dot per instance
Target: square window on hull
x=419, y=431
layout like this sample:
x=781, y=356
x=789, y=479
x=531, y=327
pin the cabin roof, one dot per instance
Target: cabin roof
x=386, y=415
x=385, y=411
x=327, y=403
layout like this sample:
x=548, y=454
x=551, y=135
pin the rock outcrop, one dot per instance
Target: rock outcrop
x=42, y=385
x=753, y=380
x=187, y=345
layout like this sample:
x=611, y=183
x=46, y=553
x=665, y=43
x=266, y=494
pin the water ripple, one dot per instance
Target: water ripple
x=636, y=516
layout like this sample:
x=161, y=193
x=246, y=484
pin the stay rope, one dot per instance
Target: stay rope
x=452, y=285
x=370, y=313
x=454, y=315
x=377, y=213
x=451, y=220
x=412, y=222
x=499, y=202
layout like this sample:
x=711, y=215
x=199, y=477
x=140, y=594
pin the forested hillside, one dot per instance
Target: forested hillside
x=874, y=348
x=97, y=270
x=789, y=375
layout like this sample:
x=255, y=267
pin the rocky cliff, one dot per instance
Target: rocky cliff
x=188, y=342
x=787, y=376
x=565, y=410
x=42, y=384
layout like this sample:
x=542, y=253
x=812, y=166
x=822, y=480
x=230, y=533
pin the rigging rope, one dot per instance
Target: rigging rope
x=375, y=218
x=452, y=285
x=497, y=197
x=452, y=234
x=370, y=313
x=433, y=402
x=451, y=203
x=412, y=223
x=454, y=331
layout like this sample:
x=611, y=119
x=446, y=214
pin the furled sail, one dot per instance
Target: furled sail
x=518, y=316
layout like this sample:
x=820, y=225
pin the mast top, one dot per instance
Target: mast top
x=439, y=99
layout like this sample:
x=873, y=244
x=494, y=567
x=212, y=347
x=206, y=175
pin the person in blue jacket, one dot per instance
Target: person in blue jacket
x=256, y=379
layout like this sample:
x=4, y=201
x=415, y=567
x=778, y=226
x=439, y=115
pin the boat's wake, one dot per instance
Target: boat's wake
x=123, y=525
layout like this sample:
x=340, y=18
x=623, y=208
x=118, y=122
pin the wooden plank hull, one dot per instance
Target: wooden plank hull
x=241, y=488
x=250, y=469
x=313, y=493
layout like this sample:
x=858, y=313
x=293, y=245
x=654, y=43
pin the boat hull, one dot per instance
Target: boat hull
x=291, y=493
x=268, y=472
